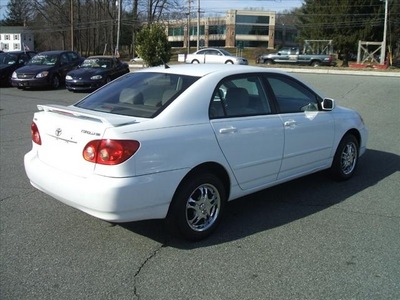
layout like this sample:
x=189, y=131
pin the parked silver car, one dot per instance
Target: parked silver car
x=213, y=55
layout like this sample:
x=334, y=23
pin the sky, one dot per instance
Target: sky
x=3, y=6
x=220, y=7
x=215, y=7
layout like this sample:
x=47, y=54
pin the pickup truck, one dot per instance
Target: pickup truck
x=293, y=55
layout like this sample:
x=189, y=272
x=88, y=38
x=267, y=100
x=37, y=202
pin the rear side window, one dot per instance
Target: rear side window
x=239, y=96
x=138, y=94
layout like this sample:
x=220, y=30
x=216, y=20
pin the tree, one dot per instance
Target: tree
x=18, y=13
x=152, y=45
x=343, y=21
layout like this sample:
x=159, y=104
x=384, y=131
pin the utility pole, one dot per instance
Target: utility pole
x=198, y=24
x=383, y=51
x=72, y=25
x=118, y=3
x=188, y=28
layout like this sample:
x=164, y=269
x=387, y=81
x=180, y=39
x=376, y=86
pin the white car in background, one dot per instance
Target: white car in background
x=179, y=142
x=214, y=56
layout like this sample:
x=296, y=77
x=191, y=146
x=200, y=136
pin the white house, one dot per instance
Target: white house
x=16, y=38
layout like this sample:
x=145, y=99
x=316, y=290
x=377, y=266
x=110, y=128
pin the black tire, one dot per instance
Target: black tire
x=55, y=82
x=346, y=158
x=268, y=62
x=197, y=206
x=315, y=63
x=195, y=61
x=229, y=62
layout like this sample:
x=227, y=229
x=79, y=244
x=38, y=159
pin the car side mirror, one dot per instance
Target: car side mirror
x=328, y=104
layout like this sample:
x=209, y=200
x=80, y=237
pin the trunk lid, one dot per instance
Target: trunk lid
x=65, y=131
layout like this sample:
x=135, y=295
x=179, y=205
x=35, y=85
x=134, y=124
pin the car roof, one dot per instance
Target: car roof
x=54, y=52
x=204, y=69
x=101, y=56
x=19, y=52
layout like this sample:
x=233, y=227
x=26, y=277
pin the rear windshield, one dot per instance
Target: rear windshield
x=138, y=94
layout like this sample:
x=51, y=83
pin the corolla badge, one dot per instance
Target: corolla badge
x=58, y=132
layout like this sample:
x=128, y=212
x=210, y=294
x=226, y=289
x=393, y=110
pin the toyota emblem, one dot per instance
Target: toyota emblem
x=58, y=131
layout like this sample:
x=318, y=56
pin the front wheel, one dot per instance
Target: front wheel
x=346, y=158
x=197, y=206
x=55, y=82
x=195, y=61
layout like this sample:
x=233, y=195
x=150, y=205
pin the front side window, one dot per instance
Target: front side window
x=239, y=96
x=64, y=58
x=8, y=58
x=138, y=94
x=291, y=96
x=73, y=56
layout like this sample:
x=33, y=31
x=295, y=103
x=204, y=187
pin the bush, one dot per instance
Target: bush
x=152, y=45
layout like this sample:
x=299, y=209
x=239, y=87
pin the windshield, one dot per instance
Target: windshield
x=8, y=59
x=138, y=94
x=42, y=59
x=97, y=63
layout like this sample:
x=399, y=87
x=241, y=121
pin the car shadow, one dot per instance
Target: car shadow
x=281, y=204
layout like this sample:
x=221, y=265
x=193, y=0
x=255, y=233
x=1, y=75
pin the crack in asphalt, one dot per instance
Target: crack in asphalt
x=351, y=90
x=149, y=258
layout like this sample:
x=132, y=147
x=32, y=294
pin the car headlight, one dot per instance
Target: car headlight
x=96, y=77
x=14, y=75
x=68, y=77
x=42, y=74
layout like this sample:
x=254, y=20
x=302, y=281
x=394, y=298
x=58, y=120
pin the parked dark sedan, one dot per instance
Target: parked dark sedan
x=46, y=69
x=94, y=72
x=10, y=61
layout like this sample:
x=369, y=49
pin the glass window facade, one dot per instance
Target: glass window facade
x=252, y=29
x=193, y=30
x=175, y=31
x=252, y=19
x=217, y=29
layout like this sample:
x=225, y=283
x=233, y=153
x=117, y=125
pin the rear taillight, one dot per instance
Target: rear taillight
x=35, y=134
x=109, y=152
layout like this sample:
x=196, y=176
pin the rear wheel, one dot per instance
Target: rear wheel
x=195, y=61
x=346, y=158
x=316, y=63
x=229, y=62
x=197, y=206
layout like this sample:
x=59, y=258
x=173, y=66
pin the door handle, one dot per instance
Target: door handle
x=228, y=130
x=290, y=123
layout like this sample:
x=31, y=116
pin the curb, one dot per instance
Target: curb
x=359, y=72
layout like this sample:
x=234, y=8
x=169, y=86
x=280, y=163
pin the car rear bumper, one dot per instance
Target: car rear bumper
x=108, y=198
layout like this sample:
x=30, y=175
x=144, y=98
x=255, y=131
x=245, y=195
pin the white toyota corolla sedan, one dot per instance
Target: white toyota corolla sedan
x=179, y=142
